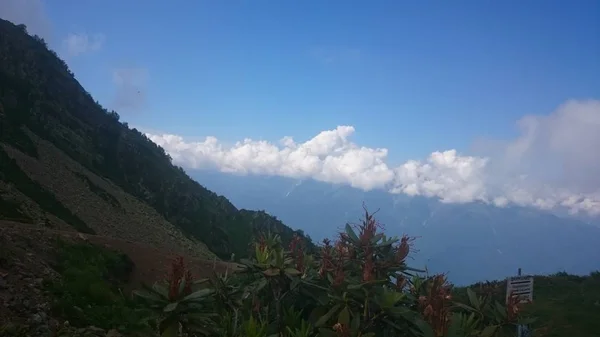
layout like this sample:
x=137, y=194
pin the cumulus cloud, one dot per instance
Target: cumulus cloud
x=31, y=13
x=130, y=84
x=551, y=164
x=76, y=44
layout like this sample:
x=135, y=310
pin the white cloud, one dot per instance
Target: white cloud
x=77, y=44
x=446, y=175
x=553, y=163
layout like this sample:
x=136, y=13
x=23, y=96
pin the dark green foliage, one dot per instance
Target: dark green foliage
x=12, y=173
x=261, y=223
x=39, y=92
x=89, y=291
x=566, y=305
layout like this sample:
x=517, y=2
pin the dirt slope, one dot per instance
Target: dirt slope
x=100, y=204
x=27, y=254
x=151, y=263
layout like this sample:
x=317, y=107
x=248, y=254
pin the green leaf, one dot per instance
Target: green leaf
x=355, y=286
x=197, y=295
x=501, y=311
x=258, y=285
x=326, y=333
x=378, y=237
x=344, y=316
x=181, y=287
x=329, y=277
x=464, y=306
x=171, y=306
x=355, y=325
x=414, y=269
x=198, y=329
x=488, y=331
x=271, y=272
x=200, y=281
x=169, y=328
x=160, y=290
x=425, y=328
x=473, y=299
x=247, y=262
x=152, y=297
x=327, y=316
x=456, y=324
x=351, y=233
x=292, y=271
x=393, y=324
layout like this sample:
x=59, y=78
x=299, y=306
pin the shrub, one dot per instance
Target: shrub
x=89, y=290
x=359, y=285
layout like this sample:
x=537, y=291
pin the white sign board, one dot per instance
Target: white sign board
x=521, y=286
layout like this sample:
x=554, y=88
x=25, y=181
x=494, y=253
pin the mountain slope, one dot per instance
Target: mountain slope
x=472, y=242
x=72, y=163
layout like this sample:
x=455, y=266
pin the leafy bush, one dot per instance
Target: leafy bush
x=359, y=285
x=89, y=291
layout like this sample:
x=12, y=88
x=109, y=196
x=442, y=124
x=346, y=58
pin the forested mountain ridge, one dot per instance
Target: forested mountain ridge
x=54, y=136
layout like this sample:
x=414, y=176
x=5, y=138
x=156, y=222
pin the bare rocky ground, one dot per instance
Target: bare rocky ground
x=26, y=259
x=102, y=205
x=121, y=222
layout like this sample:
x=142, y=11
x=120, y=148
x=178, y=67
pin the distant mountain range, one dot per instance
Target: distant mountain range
x=474, y=241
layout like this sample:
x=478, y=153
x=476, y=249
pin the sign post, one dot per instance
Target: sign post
x=522, y=287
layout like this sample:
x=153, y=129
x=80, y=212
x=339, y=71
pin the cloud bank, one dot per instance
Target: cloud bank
x=552, y=164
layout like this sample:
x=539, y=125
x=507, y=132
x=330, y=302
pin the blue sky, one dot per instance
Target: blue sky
x=413, y=77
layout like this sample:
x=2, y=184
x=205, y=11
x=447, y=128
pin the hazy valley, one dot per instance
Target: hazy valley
x=451, y=237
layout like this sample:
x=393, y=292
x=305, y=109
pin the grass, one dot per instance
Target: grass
x=89, y=291
x=565, y=305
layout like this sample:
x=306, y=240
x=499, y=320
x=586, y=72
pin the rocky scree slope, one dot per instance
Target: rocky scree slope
x=67, y=162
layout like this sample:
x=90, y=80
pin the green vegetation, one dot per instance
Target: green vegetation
x=89, y=292
x=40, y=93
x=359, y=285
x=566, y=305
x=569, y=304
